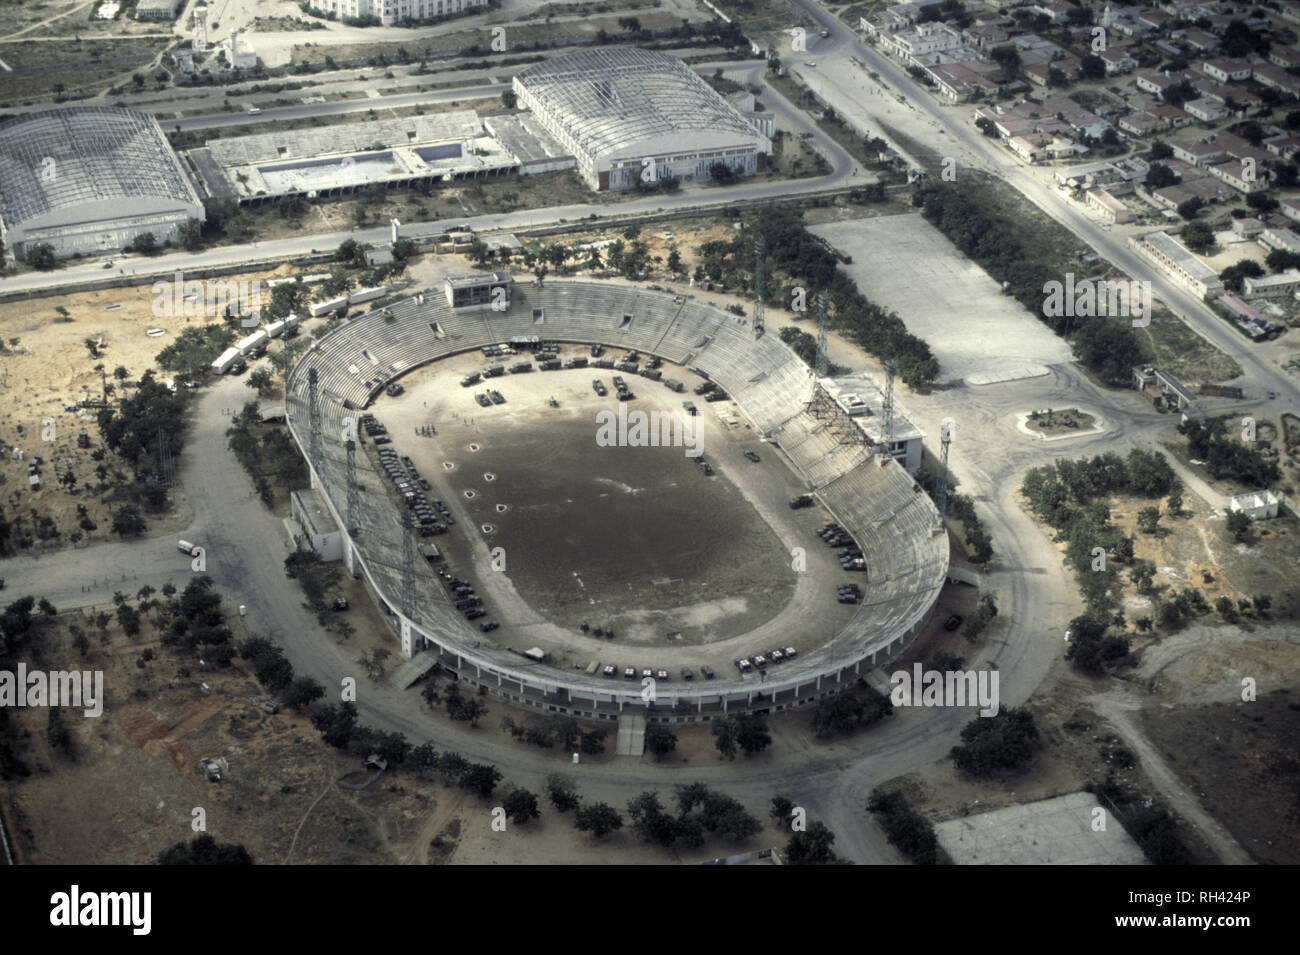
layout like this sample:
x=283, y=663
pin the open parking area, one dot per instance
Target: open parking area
x=977, y=333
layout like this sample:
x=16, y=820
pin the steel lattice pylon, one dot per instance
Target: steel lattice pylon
x=313, y=420
x=941, y=485
x=408, y=568
x=354, y=499
x=823, y=360
x=888, y=429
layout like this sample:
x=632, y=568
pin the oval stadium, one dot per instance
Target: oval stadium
x=547, y=524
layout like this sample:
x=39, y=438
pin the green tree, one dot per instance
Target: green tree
x=1174, y=499
x=752, y=734
x=127, y=521
x=600, y=819
x=41, y=256
x=190, y=235
x=1239, y=526
x=302, y=692
x=724, y=737
x=1198, y=236
x=204, y=850
x=991, y=744
x=562, y=792
x=675, y=261
x=146, y=243
x=191, y=355
x=1142, y=573
x=659, y=740
x=521, y=806
x=1148, y=520
x=812, y=846
x=782, y=810
x=263, y=381
x=480, y=779
x=509, y=100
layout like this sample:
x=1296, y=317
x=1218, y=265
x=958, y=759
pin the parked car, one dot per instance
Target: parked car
x=753, y=456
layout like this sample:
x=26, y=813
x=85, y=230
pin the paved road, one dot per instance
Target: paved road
x=844, y=171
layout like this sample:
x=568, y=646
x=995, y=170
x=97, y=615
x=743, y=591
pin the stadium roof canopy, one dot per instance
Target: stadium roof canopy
x=84, y=163
x=622, y=101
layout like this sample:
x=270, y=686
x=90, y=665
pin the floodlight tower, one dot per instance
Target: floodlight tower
x=760, y=269
x=941, y=486
x=408, y=568
x=888, y=424
x=354, y=498
x=823, y=361
x=313, y=421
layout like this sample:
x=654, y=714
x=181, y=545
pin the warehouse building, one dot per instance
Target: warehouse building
x=631, y=116
x=89, y=179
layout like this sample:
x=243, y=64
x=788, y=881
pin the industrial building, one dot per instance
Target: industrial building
x=336, y=160
x=89, y=179
x=630, y=116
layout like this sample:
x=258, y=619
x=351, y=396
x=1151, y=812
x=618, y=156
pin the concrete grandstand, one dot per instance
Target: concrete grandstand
x=868, y=493
x=623, y=112
x=89, y=179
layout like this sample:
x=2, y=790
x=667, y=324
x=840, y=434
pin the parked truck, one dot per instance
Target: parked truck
x=185, y=547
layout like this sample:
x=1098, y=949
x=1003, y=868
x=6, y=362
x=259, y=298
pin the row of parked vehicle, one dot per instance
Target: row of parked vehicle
x=609, y=671
x=487, y=399
x=464, y=599
x=851, y=557
x=375, y=429
x=761, y=661
x=431, y=517
x=848, y=593
x=624, y=392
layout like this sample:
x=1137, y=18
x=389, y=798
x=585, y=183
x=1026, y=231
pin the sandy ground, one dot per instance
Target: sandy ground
x=48, y=367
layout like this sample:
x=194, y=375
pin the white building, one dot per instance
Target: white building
x=1257, y=505
x=239, y=54
x=1179, y=261
x=390, y=12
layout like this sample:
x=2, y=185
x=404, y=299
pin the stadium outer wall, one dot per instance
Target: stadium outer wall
x=551, y=690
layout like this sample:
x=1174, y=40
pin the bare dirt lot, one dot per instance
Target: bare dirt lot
x=48, y=367
x=132, y=786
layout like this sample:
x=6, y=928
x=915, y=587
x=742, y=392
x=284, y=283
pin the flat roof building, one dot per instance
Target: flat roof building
x=477, y=288
x=1179, y=261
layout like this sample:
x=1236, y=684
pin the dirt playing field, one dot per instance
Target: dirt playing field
x=634, y=538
